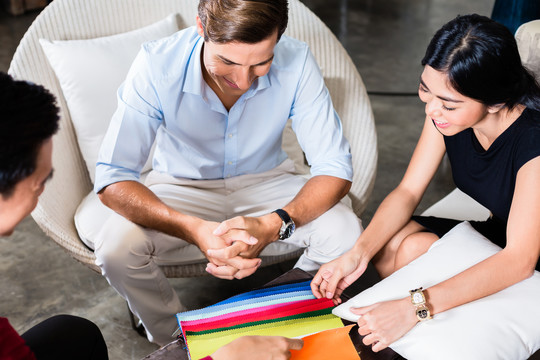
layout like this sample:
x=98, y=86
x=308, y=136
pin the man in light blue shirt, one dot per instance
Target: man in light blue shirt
x=215, y=98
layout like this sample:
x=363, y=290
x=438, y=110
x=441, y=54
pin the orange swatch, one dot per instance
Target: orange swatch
x=328, y=344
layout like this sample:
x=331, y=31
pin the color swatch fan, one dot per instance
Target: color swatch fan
x=286, y=310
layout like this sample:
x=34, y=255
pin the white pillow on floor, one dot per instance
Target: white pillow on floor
x=90, y=72
x=505, y=325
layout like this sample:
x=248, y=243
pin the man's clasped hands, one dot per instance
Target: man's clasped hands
x=232, y=247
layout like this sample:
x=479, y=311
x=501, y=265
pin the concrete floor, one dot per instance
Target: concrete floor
x=386, y=40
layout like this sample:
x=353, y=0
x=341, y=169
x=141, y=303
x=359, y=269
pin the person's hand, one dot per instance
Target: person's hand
x=256, y=232
x=335, y=276
x=385, y=322
x=260, y=347
x=205, y=239
x=248, y=236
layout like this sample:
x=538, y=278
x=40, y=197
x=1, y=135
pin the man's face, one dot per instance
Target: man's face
x=25, y=196
x=230, y=69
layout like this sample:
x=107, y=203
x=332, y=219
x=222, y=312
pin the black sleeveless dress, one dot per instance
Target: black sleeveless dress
x=489, y=176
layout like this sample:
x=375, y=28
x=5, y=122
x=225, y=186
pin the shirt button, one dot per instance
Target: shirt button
x=230, y=136
x=230, y=163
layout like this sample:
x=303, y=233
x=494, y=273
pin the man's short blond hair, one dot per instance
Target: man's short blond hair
x=245, y=21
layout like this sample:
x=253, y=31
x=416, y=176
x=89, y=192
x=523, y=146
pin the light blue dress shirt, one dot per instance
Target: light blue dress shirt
x=165, y=98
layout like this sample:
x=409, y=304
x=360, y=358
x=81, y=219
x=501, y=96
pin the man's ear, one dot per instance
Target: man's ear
x=35, y=184
x=200, y=29
x=495, y=108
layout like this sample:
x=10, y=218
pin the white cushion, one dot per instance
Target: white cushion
x=458, y=205
x=90, y=72
x=504, y=325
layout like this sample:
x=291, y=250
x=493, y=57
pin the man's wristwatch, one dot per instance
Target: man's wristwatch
x=419, y=301
x=287, y=224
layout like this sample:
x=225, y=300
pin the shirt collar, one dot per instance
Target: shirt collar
x=194, y=81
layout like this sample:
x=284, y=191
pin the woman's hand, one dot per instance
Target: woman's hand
x=259, y=347
x=383, y=323
x=335, y=276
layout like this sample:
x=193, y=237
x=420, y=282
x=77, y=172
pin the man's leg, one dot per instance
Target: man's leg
x=327, y=237
x=125, y=253
x=129, y=257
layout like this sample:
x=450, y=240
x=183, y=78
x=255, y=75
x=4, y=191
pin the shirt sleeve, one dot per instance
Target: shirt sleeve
x=131, y=133
x=317, y=125
x=12, y=345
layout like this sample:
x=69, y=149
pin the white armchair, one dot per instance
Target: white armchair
x=82, y=19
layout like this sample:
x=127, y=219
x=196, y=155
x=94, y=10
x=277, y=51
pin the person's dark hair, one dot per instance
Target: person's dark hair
x=481, y=59
x=245, y=21
x=29, y=117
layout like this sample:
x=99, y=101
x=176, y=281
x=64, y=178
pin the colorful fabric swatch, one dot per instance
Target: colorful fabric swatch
x=285, y=310
x=326, y=345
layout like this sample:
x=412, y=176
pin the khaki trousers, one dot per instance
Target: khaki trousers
x=129, y=255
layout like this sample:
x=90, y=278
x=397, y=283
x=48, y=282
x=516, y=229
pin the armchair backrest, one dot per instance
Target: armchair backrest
x=528, y=40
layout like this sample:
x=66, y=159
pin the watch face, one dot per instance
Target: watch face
x=423, y=314
x=287, y=224
x=286, y=230
x=417, y=298
x=290, y=229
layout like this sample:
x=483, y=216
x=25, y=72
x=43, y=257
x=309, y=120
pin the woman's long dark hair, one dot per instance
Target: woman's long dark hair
x=481, y=59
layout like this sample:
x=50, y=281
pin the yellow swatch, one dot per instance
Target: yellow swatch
x=203, y=345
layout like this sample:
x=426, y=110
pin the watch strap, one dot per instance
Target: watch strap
x=283, y=215
x=287, y=224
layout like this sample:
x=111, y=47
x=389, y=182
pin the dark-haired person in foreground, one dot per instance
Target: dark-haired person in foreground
x=483, y=111
x=215, y=98
x=28, y=121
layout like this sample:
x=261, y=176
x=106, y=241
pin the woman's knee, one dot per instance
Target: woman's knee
x=412, y=246
x=385, y=259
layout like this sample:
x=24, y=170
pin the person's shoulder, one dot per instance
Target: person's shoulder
x=530, y=122
x=526, y=137
x=526, y=134
x=174, y=43
x=292, y=42
x=166, y=58
x=290, y=53
x=532, y=115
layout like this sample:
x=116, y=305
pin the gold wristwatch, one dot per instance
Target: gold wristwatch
x=419, y=301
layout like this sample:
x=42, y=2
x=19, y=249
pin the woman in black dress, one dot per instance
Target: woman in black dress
x=482, y=109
